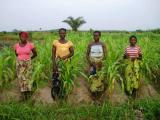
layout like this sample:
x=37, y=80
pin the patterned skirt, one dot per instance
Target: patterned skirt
x=24, y=74
x=96, y=79
x=96, y=83
x=97, y=62
x=132, y=75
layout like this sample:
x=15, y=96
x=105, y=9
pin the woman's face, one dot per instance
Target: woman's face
x=23, y=38
x=96, y=36
x=133, y=41
x=62, y=34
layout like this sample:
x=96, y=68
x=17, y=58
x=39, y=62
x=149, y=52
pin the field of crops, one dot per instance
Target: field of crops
x=113, y=71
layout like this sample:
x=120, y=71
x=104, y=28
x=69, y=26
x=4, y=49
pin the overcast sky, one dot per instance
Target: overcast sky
x=99, y=14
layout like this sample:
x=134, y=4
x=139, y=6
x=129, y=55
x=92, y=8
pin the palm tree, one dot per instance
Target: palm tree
x=74, y=23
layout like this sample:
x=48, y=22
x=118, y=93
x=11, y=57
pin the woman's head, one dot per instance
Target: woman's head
x=62, y=33
x=133, y=40
x=96, y=35
x=24, y=36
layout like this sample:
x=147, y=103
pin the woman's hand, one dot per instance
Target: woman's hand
x=34, y=53
x=55, y=68
x=64, y=57
x=133, y=59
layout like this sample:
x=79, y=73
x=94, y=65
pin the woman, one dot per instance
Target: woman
x=62, y=50
x=25, y=52
x=96, y=52
x=133, y=55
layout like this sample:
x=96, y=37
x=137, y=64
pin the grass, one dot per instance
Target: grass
x=63, y=111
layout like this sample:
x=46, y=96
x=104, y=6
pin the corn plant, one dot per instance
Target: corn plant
x=7, y=66
x=113, y=65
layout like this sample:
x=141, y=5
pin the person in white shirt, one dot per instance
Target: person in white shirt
x=96, y=53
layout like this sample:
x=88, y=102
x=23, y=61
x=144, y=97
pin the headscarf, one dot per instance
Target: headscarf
x=26, y=34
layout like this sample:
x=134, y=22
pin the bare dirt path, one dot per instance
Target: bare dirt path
x=79, y=95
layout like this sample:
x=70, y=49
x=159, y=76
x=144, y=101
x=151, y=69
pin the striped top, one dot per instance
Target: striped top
x=133, y=52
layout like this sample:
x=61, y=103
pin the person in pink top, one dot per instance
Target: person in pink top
x=132, y=56
x=25, y=52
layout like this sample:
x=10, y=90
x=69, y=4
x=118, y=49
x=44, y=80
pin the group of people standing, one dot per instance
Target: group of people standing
x=63, y=49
